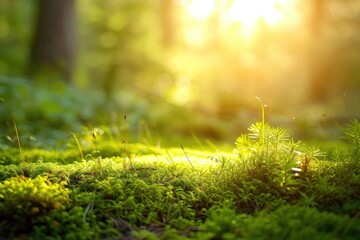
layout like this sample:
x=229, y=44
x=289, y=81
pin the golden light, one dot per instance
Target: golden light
x=201, y=9
x=249, y=12
x=246, y=12
x=182, y=92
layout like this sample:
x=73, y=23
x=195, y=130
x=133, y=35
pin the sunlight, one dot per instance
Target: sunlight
x=182, y=92
x=246, y=12
x=201, y=9
x=249, y=12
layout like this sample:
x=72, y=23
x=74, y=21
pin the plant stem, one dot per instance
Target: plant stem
x=187, y=157
x=262, y=111
x=17, y=137
x=78, y=145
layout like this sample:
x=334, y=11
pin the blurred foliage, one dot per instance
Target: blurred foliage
x=120, y=44
x=16, y=32
x=159, y=62
x=45, y=110
x=45, y=114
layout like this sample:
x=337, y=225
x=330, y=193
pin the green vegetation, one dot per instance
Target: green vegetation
x=100, y=184
x=136, y=119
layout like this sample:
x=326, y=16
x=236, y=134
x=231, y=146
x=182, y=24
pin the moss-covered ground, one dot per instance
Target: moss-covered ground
x=266, y=186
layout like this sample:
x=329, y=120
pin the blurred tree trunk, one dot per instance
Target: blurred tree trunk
x=167, y=21
x=54, y=44
x=320, y=74
x=326, y=64
x=317, y=17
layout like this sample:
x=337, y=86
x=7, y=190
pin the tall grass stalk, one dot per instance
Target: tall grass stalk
x=18, y=138
x=126, y=146
x=78, y=145
x=187, y=157
x=96, y=151
x=171, y=159
x=262, y=111
x=262, y=130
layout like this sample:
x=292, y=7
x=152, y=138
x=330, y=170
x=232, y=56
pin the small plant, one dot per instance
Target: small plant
x=270, y=155
x=267, y=144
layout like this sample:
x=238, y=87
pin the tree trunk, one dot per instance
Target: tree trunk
x=167, y=21
x=54, y=45
x=321, y=77
x=326, y=64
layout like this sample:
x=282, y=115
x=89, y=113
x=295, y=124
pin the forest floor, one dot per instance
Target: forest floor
x=266, y=186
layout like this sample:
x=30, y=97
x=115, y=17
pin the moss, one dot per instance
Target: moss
x=182, y=193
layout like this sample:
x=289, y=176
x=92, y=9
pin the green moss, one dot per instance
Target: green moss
x=23, y=199
x=153, y=192
x=287, y=222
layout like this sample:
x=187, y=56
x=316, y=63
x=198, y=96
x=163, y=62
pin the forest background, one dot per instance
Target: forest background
x=178, y=68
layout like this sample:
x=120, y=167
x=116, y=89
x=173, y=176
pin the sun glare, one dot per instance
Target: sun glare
x=201, y=9
x=246, y=12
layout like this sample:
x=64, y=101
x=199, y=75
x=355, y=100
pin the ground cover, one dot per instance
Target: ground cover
x=268, y=187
